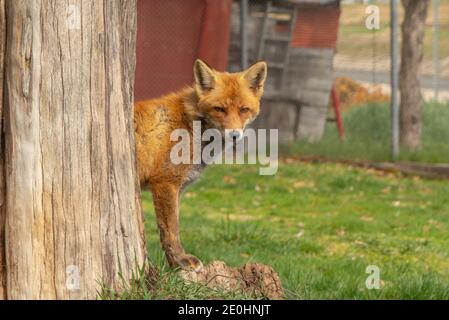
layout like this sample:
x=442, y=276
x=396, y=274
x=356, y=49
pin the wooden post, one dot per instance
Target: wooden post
x=73, y=212
x=394, y=79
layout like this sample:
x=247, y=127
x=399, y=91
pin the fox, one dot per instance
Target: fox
x=223, y=101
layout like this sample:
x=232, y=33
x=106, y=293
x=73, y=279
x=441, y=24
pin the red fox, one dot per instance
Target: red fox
x=220, y=101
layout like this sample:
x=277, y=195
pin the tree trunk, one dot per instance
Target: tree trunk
x=2, y=172
x=413, y=29
x=73, y=212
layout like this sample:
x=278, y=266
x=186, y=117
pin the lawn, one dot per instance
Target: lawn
x=368, y=136
x=320, y=226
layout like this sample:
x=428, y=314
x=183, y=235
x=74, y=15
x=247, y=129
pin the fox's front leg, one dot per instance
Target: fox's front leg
x=166, y=205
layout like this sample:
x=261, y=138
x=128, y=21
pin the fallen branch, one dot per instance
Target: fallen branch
x=424, y=170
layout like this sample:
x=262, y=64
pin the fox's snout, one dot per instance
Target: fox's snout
x=231, y=123
x=235, y=134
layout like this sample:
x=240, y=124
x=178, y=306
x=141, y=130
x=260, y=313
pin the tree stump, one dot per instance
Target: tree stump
x=254, y=279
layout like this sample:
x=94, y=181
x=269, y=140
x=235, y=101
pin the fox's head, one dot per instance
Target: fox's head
x=229, y=101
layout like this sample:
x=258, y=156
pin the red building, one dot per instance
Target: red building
x=171, y=34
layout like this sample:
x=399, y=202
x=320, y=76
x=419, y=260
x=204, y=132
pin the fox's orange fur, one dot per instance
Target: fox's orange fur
x=218, y=100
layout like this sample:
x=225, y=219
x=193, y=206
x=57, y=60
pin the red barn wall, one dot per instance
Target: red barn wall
x=316, y=27
x=171, y=34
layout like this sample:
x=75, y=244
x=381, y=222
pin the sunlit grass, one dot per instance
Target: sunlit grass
x=320, y=226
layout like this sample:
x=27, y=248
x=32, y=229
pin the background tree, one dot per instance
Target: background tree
x=73, y=212
x=413, y=27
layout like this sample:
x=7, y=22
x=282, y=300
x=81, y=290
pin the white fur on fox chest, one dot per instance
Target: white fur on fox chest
x=193, y=174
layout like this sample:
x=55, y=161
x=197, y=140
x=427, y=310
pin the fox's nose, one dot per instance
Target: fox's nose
x=236, y=134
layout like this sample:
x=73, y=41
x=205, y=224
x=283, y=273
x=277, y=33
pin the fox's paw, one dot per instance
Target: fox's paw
x=187, y=262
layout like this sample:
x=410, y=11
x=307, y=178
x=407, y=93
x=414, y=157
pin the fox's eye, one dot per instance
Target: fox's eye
x=219, y=109
x=244, y=110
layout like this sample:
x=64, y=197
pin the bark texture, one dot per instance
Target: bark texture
x=73, y=212
x=413, y=28
x=2, y=172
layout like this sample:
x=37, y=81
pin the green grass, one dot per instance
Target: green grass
x=368, y=136
x=150, y=283
x=319, y=226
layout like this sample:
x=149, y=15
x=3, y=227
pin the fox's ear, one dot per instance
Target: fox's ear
x=204, y=76
x=256, y=75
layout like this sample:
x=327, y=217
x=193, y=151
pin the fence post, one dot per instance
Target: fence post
x=243, y=39
x=394, y=79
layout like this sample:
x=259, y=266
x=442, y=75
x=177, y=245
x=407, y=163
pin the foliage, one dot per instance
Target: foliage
x=352, y=93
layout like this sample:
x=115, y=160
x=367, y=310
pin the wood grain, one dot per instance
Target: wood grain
x=2, y=172
x=73, y=199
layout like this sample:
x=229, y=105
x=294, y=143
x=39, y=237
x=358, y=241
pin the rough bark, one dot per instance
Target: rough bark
x=72, y=200
x=413, y=28
x=2, y=172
